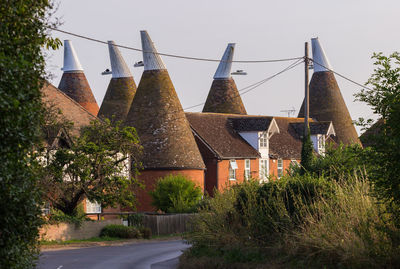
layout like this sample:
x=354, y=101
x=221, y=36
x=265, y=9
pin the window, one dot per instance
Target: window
x=321, y=144
x=293, y=164
x=280, y=168
x=232, y=169
x=264, y=168
x=264, y=140
x=92, y=207
x=247, y=174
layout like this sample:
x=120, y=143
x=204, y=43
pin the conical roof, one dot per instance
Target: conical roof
x=224, y=96
x=326, y=100
x=158, y=117
x=121, y=89
x=73, y=81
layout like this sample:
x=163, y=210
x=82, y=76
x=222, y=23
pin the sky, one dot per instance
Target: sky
x=349, y=30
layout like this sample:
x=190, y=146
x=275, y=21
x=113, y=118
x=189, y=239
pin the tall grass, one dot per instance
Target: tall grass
x=297, y=221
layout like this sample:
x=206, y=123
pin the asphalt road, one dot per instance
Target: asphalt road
x=156, y=255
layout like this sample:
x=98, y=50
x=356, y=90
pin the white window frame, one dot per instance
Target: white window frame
x=263, y=140
x=247, y=172
x=280, y=168
x=92, y=207
x=232, y=169
x=321, y=144
x=264, y=169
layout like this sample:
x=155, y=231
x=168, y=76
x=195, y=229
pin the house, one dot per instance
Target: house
x=285, y=146
x=54, y=138
x=121, y=89
x=73, y=81
x=239, y=147
x=326, y=100
x=156, y=112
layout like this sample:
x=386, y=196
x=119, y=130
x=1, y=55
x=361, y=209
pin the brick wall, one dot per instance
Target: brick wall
x=223, y=172
x=273, y=167
x=68, y=231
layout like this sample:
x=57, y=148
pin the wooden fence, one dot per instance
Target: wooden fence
x=161, y=224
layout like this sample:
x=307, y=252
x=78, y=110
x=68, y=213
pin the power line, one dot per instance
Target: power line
x=257, y=84
x=340, y=75
x=175, y=55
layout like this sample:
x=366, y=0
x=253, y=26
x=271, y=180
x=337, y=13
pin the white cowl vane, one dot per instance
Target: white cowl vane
x=71, y=61
x=151, y=59
x=319, y=56
x=224, y=67
x=119, y=67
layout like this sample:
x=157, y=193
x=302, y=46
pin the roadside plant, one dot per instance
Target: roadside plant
x=176, y=194
x=23, y=36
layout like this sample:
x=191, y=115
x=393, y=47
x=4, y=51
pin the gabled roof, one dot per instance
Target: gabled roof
x=287, y=144
x=70, y=109
x=319, y=127
x=218, y=131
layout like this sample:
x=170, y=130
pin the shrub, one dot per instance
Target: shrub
x=146, y=232
x=121, y=231
x=77, y=218
x=176, y=194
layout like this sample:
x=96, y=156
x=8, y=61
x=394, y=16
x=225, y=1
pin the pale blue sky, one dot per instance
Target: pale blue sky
x=350, y=32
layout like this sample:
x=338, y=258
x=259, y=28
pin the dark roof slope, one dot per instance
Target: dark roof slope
x=327, y=104
x=118, y=98
x=70, y=109
x=163, y=129
x=224, y=97
x=368, y=137
x=218, y=132
x=320, y=127
x=286, y=144
x=251, y=123
x=76, y=86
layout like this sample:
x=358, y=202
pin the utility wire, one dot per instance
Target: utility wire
x=340, y=75
x=174, y=55
x=257, y=84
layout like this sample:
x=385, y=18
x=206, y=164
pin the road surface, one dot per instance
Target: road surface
x=156, y=255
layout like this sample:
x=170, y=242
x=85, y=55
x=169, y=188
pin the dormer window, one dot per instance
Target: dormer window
x=263, y=140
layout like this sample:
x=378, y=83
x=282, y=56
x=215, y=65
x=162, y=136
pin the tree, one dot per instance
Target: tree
x=384, y=99
x=306, y=153
x=101, y=164
x=23, y=33
x=176, y=194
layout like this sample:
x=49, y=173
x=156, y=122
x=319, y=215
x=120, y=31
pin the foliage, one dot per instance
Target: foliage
x=384, y=99
x=120, y=231
x=176, y=194
x=95, y=165
x=22, y=35
x=135, y=220
x=77, y=218
x=303, y=222
x=307, y=151
x=339, y=163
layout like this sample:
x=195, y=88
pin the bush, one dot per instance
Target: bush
x=77, y=218
x=296, y=222
x=176, y=194
x=146, y=232
x=121, y=231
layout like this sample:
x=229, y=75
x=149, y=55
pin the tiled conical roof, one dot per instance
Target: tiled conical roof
x=73, y=81
x=158, y=117
x=121, y=89
x=326, y=100
x=224, y=96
